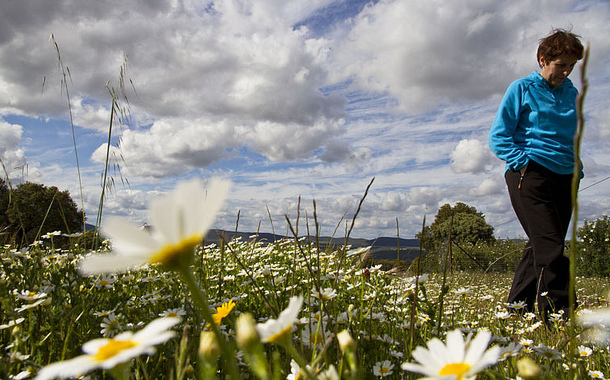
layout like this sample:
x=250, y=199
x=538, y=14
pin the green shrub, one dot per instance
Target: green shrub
x=499, y=256
x=593, y=248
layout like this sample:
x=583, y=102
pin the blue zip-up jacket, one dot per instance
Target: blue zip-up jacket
x=535, y=122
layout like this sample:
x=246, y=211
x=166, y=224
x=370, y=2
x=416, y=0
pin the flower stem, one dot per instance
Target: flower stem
x=200, y=298
x=120, y=372
x=299, y=359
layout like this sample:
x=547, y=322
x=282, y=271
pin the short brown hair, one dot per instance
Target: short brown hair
x=558, y=43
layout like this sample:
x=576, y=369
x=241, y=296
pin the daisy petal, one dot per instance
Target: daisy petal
x=477, y=346
x=66, y=369
x=128, y=239
x=97, y=264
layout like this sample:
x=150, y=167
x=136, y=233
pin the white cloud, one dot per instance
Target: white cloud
x=170, y=147
x=427, y=53
x=285, y=142
x=238, y=68
x=489, y=186
x=91, y=116
x=427, y=196
x=393, y=201
x=13, y=157
x=470, y=156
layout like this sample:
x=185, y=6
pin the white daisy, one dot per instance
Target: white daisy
x=584, y=351
x=597, y=374
x=458, y=358
x=274, y=330
x=315, y=334
x=111, y=326
x=383, y=369
x=180, y=219
x=108, y=353
x=512, y=349
x=330, y=374
x=12, y=323
x=49, y=235
x=324, y=294
x=296, y=373
x=30, y=296
x=31, y=305
x=177, y=312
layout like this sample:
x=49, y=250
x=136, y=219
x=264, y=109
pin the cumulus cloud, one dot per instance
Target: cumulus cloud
x=393, y=201
x=339, y=150
x=412, y=52
x=90, y=116
x=170, y=147
x=489, y=186
x=279, y=141
x=427, y=53
x=13, y=157
x=470, y=156
x=240, y=70
x=426, y=196
x=601, y=120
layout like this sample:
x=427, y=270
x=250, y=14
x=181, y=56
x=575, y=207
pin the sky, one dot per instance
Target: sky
x=300, y=103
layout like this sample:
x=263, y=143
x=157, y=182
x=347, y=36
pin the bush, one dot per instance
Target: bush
x=465, y=224
x=593, y=248
x=499, y=256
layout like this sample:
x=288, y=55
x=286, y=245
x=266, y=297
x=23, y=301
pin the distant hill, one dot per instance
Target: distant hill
x=385, y=248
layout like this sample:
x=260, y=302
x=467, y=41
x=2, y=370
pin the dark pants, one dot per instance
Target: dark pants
x=543, y=203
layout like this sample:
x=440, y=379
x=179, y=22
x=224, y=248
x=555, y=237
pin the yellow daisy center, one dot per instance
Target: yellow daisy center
x=171, y=255
x=172, y=314
x=316, y=338
x=384, y=370
x=112, y=348
x=457, y=369
x=276, y=338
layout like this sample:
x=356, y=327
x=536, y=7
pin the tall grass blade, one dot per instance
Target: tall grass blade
x=65, y=73
x=580, y=100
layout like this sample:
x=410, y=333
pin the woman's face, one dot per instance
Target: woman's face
x=557, y=70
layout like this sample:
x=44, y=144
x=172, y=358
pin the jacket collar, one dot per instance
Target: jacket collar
x=539, y=79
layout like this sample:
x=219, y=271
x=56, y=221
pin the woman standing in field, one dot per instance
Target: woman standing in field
x=533, y=131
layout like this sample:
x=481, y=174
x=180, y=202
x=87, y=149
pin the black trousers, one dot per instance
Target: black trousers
x=543, y=203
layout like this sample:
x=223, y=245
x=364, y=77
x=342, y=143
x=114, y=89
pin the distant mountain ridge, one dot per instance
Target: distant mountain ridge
x=382, y=248
x=213, y=236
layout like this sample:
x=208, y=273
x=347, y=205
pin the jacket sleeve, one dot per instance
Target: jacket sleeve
x=502, y=133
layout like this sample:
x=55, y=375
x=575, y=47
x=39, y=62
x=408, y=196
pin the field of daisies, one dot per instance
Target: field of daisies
x=160, y=304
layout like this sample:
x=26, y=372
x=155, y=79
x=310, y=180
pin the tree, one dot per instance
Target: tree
x=593, y=248
x=4, y=199
x=465, y=224
x=35, y=209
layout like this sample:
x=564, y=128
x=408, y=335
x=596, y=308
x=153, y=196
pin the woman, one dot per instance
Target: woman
x=533, y=131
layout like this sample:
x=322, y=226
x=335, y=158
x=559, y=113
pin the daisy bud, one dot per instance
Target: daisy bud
x=346, y=342
x=528, y=369
x=208, y=346
x=249, y=341
x=247, y=335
